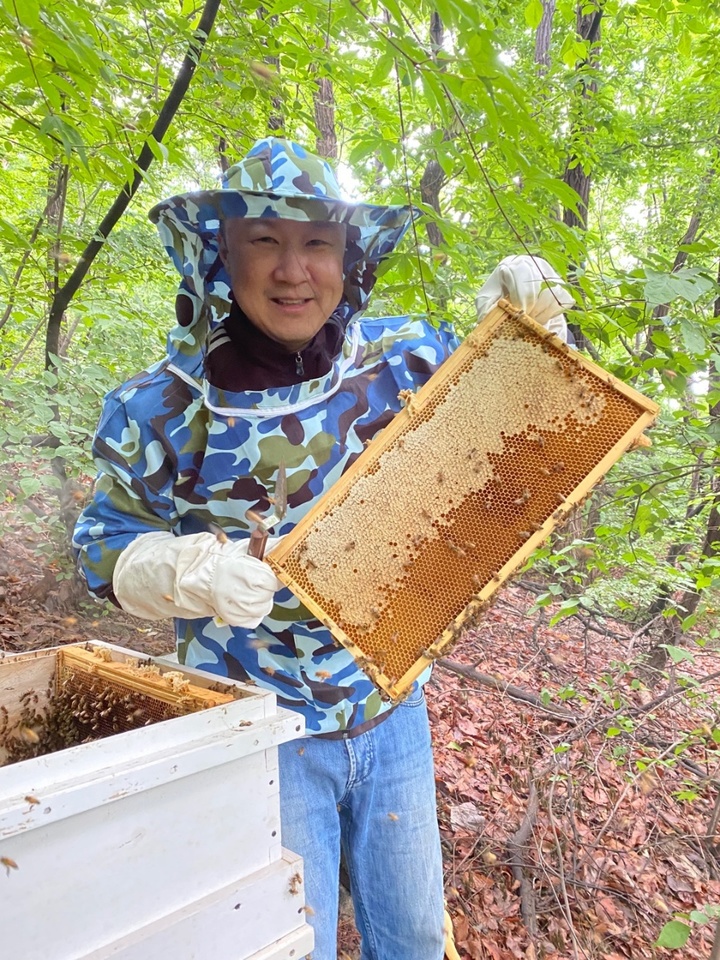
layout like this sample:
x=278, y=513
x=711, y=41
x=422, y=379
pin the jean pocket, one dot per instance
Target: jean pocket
x=415, y=698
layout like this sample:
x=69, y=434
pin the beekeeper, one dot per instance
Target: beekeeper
x=271, y=362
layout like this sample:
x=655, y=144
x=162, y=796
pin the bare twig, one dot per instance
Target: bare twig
x=515, y=693
x=715, y=952
x=516, y=857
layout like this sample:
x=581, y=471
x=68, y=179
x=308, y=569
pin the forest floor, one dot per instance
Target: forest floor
x=576, y=822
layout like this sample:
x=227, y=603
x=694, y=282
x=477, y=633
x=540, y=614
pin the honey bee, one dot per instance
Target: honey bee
x=295, y=884
x=31, y=800
x=323, y=674
x=263, y=72
x=28, y=735
x=457, y=550
x=393, y=816
x=9, y=864
x=407, y=398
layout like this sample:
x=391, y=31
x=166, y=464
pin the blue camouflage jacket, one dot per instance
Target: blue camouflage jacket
x=175, y=453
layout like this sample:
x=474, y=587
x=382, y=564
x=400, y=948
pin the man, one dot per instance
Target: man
x=270, y=364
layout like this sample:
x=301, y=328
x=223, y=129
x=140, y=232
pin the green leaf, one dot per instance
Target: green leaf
x=673, y=935
x=567, y=608
x=534, y=14
x=158, y=149
x=30, y=485
x=678, y=654
x=693, y=336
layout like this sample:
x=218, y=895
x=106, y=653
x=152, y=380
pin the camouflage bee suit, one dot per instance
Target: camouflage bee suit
x=174, y=452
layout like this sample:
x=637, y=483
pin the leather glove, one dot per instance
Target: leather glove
x=531, y=284
x=160, y=575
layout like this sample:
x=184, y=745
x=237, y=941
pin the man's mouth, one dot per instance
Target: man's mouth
x=291, y=301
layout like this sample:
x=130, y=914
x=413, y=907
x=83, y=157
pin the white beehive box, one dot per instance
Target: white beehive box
x=159, y=842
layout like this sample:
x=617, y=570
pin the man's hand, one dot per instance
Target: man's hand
x=531, y=284
x=160, y=575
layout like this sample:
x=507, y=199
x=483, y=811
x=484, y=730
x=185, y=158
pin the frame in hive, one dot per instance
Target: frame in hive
x=483, y=462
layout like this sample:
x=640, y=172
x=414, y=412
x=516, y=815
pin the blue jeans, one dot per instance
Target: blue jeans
x=374, y=795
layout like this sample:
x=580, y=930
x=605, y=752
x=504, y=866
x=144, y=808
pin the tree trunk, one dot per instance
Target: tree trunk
x=433, y=178
x=276, y=120
x=65, y=294
x=431, y=184
x=543, y=37
x=57, y=194
x=576, y=174
x=324, y=99
x=222, y=155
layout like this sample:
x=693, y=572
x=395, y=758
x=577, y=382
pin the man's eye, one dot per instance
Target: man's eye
x=267, y=239
x=318, y=242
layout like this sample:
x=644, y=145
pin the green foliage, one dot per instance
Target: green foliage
x=676, y=933
x=82, y=83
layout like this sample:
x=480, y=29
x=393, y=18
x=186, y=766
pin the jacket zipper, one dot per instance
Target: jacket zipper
x=299, y=365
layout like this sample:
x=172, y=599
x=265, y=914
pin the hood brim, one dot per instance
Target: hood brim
x=189, y=223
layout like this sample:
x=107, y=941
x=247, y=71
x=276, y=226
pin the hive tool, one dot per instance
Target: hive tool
x=264, y=524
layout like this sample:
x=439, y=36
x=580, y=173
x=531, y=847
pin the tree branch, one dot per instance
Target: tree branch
x=515, y=693
x=516, y=848
x=142, y=164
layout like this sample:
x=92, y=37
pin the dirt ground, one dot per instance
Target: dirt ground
x=578, y=806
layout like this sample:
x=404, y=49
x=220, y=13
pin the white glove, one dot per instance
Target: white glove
x=160, y=575
x=531, y=284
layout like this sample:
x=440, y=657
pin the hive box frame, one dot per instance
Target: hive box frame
x=159, y=842
x=588, y=394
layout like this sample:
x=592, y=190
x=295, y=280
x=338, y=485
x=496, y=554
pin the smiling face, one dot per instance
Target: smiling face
x=286, y=275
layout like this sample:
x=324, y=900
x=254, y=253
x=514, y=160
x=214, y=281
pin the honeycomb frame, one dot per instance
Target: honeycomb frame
x=433, y=497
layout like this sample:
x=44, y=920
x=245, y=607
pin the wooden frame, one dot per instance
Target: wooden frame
x=566, y=375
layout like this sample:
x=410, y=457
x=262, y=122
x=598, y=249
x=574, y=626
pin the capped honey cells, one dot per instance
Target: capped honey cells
x=475, y=471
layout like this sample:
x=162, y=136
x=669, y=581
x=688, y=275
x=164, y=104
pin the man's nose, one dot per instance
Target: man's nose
x=290, y=266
